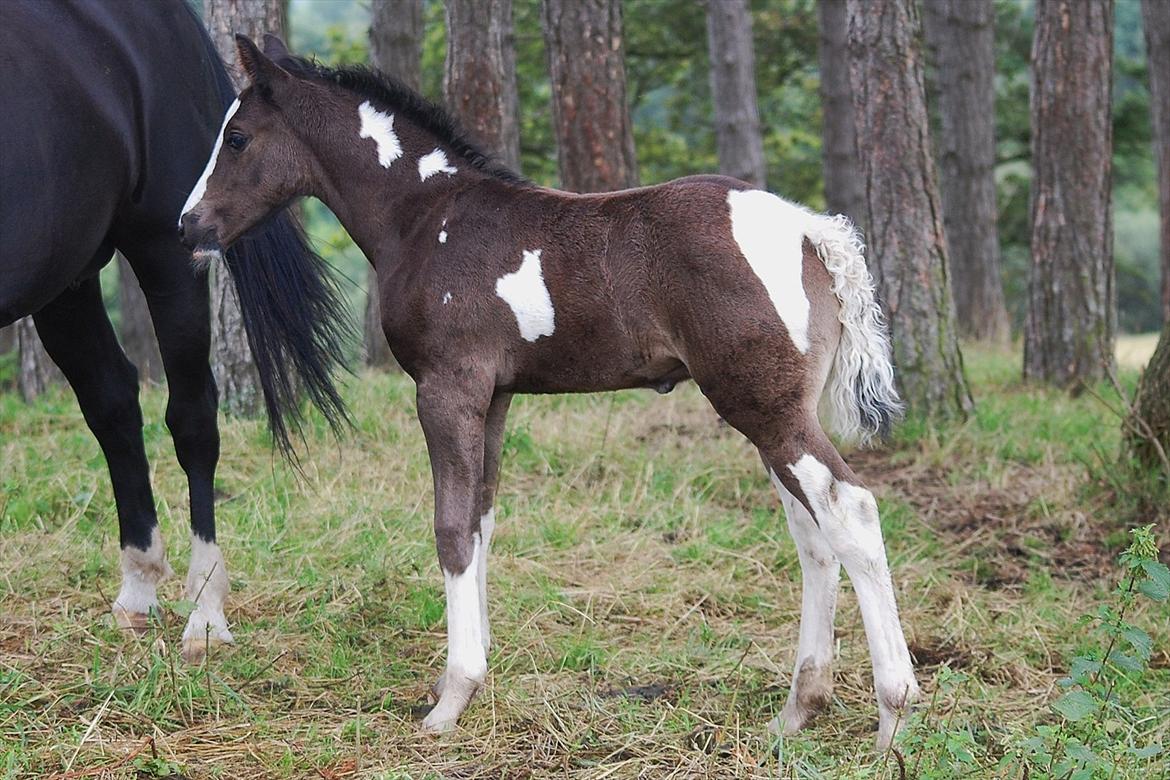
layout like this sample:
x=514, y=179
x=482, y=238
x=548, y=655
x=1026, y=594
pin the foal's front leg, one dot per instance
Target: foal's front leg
x=453, y=419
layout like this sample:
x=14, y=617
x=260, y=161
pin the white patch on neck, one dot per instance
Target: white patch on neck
x=380, y=127
x=201, y=185
x=434, y=162
x=446, y=297
x=142, y=570
x=465, y=645
x=443, y=232
x=770, y=232
x=524, y=290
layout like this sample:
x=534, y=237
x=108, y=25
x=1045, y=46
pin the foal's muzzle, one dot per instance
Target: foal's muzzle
x=193, y=233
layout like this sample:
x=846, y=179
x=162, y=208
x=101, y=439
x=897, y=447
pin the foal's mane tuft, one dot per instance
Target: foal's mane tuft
x=392, y=93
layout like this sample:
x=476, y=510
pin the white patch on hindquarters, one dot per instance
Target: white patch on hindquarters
x=487, y=526
x=770, y=232
x=524, y=290
x=201, y=185
x=207, y=587
x=380, y=127
x=443, y=232
x=434, y=162
x=446, y=297
x=142, y=570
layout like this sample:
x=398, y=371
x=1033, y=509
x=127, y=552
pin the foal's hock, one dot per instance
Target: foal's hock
x=491, y=286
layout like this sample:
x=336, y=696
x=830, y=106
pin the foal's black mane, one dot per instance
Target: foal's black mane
x=392, y=93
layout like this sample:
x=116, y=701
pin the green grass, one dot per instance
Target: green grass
x=645, y=594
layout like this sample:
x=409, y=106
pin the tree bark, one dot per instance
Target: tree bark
x=1148, y=436
x=733, y=88
x=907, y=244
x=1072, y=317
x=586, y=62
x=479, y=83
x=961, y=37
x=396, y=34
x=1156, y=19
x=37, y=370
x=7, y=339
x=137, y=329
x=231, y=357
x=843, y=190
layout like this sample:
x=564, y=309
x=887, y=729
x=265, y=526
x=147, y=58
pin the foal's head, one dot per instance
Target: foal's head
x=259, y=163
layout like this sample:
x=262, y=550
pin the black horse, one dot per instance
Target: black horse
x=110, y=111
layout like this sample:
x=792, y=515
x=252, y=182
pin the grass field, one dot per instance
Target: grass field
x=645, y=596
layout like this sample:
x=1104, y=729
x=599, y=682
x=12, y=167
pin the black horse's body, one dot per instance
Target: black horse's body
x=108, y=112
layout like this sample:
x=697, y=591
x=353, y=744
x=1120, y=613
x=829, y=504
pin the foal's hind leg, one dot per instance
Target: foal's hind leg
x=809, y=467
x=812, y=677
x=78, y=336
x=453, y=412
x=182, y=321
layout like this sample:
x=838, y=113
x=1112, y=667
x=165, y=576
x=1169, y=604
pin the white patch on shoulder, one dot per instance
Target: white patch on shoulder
x=443, y=232
x=446, y=297
x=201, y=185
x=434, y=162
x=380, y=127
x=524, y=290
x=770, y=232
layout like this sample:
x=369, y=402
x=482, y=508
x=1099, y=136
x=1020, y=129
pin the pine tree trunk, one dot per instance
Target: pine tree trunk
x=7, y=339
x=231, y=357
x=733, y=89
x=396, y=33
x=1156, y=19
x=586, y=62
x=136, y=333
x=843, y=192
x=1152, y=409
x=479, y=83
x=961, y=37
x=1068, y=337
x=37, y=370
x=904, y=231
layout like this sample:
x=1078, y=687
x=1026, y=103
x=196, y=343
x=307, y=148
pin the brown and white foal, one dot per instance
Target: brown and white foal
x=491, y=286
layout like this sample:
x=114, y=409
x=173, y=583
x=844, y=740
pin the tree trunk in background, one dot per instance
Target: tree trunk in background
x=231, y=357
x=1156, y=18
x=7, y=339
x=591, y=120
x=1152, y=407
x=37, y=370
x=1068, y=337
x=396, y=33
x=843, y=192
x=136, y=333
x=479, y=83
x=733, y=91
x=961, y=37
x=904, y=231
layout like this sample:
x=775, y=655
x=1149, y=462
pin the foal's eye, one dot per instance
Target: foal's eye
x=237, y=140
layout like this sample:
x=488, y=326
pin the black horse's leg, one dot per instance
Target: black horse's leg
x=179, y=309
x=78, y=336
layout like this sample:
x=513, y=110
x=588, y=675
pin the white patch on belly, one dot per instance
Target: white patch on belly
x=446, y=297
x=142, y=570
x=770, y=232
x=443, y=232
x=525, y=292
x=201, y=185
x=380, y=127
x=434, y=162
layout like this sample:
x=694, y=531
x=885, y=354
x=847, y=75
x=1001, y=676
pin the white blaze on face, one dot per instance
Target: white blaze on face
x=201, y=185
x=434, y=162
x=207, y=586
x=465, y=644
x=525, y=292
x=770, y=233
x=141, y=572
x=380, y=127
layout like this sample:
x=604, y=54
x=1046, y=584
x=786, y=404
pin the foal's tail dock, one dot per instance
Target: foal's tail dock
x=859, y=400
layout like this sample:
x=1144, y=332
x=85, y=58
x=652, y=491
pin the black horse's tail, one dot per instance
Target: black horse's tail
x=292, y=310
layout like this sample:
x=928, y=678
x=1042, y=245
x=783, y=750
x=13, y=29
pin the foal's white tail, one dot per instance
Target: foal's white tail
x=859, y=399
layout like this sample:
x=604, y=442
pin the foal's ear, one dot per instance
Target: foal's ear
x=274, y=48
x=262, y=72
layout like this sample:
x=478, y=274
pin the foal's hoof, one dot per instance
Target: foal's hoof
x=438, y=725
x=438, y=688
x=138, y=622
x=200, y=637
